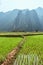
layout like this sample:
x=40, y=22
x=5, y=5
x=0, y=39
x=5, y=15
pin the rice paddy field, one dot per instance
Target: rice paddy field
x=7, y=45
x=33, y=45
x=31, y=52
x=33, y=49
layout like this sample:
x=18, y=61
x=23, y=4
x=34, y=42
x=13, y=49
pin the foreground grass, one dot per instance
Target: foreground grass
x=33, y=46
x=7, y=44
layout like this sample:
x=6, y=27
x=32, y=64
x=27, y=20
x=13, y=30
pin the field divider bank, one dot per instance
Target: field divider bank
x=13, y=54
x=16, y=34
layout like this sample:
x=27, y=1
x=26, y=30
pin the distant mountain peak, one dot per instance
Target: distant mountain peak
x=39, y=8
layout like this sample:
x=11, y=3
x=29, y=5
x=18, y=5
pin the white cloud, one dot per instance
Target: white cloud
x=19, y=4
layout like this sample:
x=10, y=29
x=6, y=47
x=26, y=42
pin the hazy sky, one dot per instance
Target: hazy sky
x=6, y=5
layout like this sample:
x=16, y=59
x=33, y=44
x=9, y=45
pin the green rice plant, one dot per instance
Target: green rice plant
x=7, y=44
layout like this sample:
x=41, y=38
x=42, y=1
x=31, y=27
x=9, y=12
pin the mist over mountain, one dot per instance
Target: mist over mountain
x=22, y=20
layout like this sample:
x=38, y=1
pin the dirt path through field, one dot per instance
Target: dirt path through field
x=13, y=54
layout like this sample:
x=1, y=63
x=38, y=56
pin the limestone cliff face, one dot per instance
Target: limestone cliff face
x=22, y=20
